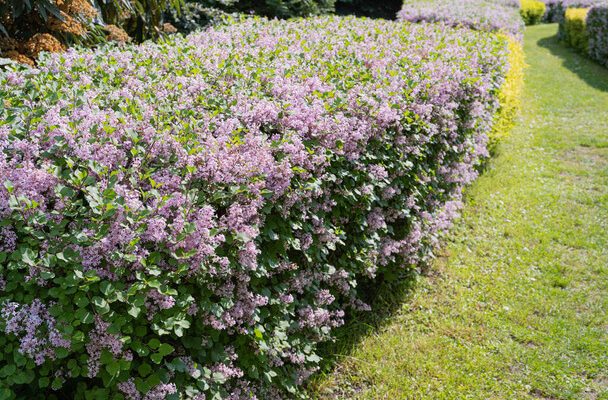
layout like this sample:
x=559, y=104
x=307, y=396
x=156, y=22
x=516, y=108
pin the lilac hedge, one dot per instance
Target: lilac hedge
x=188, y=220
x=484, y=15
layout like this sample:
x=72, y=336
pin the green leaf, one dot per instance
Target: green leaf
x=101, y=304
x=258, y=334
x=106, y=287
x=29, y=257
x=154, y=343
x=9, y=186
x=57, y=383
x=7, y=370
x=81, y=300
x=113, y=368
x=61, y=352
x=165, y=349
x=134, y=311
x=156, y=358
x=85, y=316
x=144, y=370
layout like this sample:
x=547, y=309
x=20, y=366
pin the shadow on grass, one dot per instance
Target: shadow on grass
x=386, y=295
x=592, y=73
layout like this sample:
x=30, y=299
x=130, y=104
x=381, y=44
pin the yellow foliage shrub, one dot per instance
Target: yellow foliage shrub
x=532, y=11
x=510, y=92
x=575, y=29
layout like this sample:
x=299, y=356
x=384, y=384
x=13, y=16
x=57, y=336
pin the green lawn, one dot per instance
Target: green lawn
x=516, y=306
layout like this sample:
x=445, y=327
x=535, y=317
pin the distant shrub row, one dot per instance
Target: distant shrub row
x=484, y=15
x=586, y=30
x=556, y=9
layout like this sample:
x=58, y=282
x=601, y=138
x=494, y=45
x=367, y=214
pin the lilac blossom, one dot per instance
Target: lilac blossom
x=35, y=328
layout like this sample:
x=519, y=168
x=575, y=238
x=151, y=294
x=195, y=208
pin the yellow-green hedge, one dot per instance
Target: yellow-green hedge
x=510, y=92
x=575, y=29
x=532, y=11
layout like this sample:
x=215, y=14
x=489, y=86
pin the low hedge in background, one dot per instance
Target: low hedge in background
x=556, y=9
x=484, y=15
x=586, y=30
x=189, y=219
x=575, y=29
x=386, y=9
x=532, y=11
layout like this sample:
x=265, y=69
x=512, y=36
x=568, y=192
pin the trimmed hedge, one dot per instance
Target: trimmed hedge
x=575, y=29
x=483, y=15
x=189, y=219
x=586, y=30
x=532, y=11
x=556, y=9
x=597, y=33
x=510, y=93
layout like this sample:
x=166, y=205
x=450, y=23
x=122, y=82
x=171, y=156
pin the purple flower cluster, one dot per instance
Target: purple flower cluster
x=484, y=15
x=199, y=213
x=35, y=329
x=159, y=392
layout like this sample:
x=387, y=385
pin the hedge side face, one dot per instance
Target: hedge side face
x=189, y=219
x=597, y=32
x=575, y=29
x=510, y=92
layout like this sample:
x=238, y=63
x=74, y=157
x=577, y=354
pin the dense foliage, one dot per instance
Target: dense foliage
x=575, y=29
x=141, y=19
x=556, y=9
x=28, y=28
x=597, y=33
x=198, y=14
x=586, y=30
x=485, y=15
x=374, y=9
x=532, y=11
x=188, y=219
x=273, y=8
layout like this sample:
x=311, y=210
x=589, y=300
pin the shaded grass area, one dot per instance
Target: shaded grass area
x=516, y=304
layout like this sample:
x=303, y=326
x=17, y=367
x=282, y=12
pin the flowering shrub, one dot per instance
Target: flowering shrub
x=597, y=33
x=575, y=30
x=532, y=11
x=187, y=220
x=484, y=15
